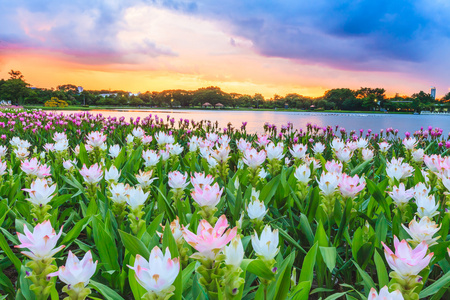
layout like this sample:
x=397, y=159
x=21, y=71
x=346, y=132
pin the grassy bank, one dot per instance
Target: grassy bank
x=88, y=108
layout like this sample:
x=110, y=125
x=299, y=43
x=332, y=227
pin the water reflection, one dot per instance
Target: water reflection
x=256, y=119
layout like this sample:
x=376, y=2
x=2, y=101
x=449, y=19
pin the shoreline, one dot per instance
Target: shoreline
x=150, y=109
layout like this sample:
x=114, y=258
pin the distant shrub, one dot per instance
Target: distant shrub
x=55, y=102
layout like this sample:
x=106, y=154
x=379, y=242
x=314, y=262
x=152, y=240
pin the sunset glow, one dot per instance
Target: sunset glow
x=268, y=49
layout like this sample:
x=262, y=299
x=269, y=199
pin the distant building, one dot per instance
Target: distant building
x=433, y=92
x=134, y=94
x=108, y=94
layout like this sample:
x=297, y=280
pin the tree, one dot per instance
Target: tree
x=15, y=75
x=446, y=98
x=338, y=96
x=15, y=88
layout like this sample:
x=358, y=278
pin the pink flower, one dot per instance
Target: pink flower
x=157, y=274
x=201, y=179
x=333, y=166
x=41, y=242
x=207, y=195
x=351, y=186
x=177, y=180
x=385, y=295
x=209, y=241
x=96, y=139
x=405, y=261
x=31, y=166
x=76, y=273
x=400, y=195
x=253, y=159
x=92, y=175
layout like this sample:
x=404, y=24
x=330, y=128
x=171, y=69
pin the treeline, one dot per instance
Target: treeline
x=18, y=91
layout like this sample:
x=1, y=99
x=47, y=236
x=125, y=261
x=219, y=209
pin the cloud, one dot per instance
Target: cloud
x=355, y=35
x=84, y=31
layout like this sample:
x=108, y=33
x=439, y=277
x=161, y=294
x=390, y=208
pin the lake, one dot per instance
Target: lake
x=256, y=119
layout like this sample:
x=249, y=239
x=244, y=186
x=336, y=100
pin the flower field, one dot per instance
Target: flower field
x=157, y=208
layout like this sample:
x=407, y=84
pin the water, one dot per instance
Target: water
x=256, y=119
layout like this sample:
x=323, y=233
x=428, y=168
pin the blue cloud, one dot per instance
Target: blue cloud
x=362, y=34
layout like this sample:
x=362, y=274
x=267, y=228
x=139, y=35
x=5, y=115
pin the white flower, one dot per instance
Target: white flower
x=114, y=151
x=344, y=154
x=400, y=195
x=422, y=231
x=303, y=174
x=367, y=154
x=76, y=272
x=328, y=183
x=61, y=145
x=40, y=192
x=384, y=146
x=201, y=179
x=410, y=143
x=234, y=252
x=175, y=149
x=21, y=153
x=138, y=132
x=151, y=158
x=426, y=206
x=256, y=210
x=337, y=144
x=275, y=152
x=298, y=151
x=263, y=174
x=266, y=246
x=163, y=138
x=417, y=155
x=112, y=174
x=177, y=180
x=221, y=153
x=119, y=192
x=135, y=197
x=3, y=151
x=130, y=138
x=69, y=164
x=318, y=148
x=362, y=143
x=145, y=178
x=421, y=189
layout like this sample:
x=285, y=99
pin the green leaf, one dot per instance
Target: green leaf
x=307, y=273
x=107, y=292
x=283, y=282
x=335, y=296
x=134, y=245
x=25, y=285
x=301, y=291
x=105, y=245
x=257, y=267
x=383, y=277
x=306, y=228
x=367, y=280
x=436, y=286
x=75, y=231
x=329, y=256
x=12, y=257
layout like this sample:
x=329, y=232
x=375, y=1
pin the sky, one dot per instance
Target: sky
x=257, y=46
